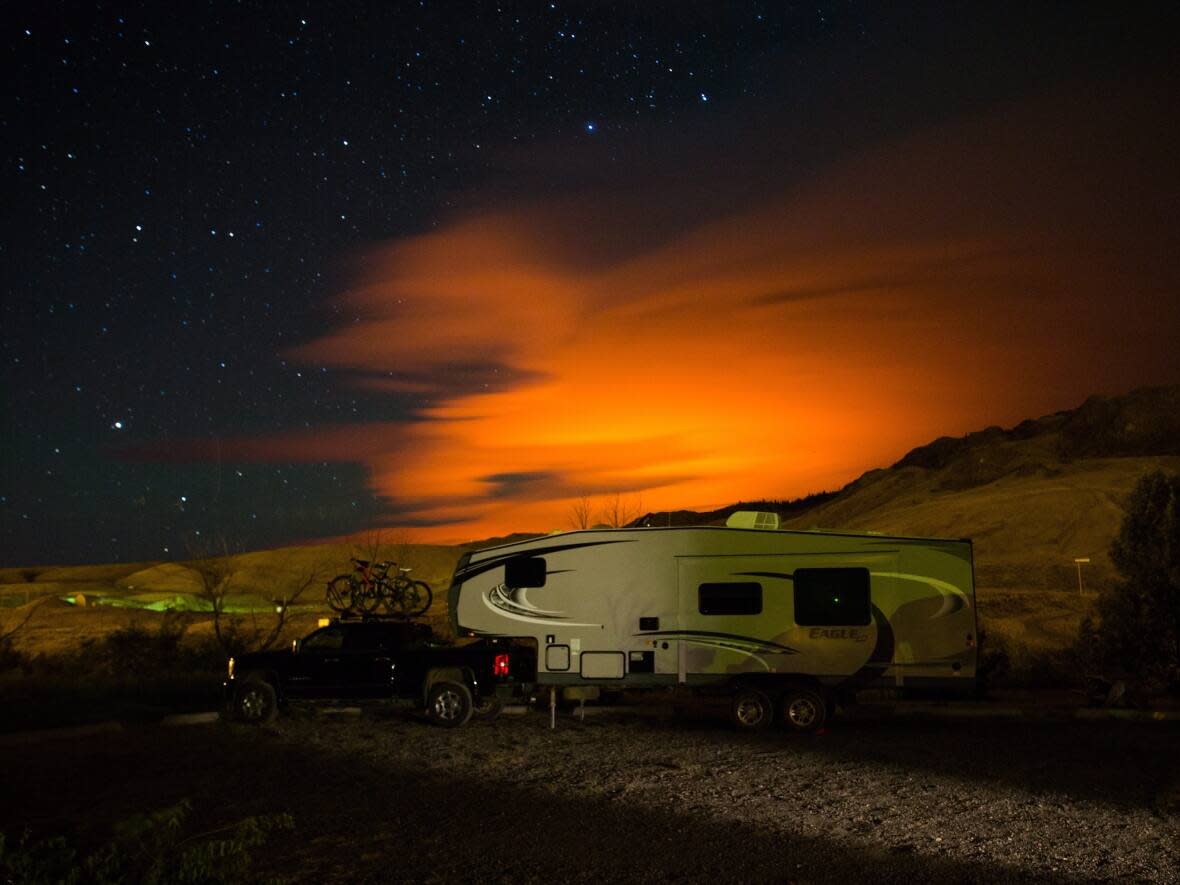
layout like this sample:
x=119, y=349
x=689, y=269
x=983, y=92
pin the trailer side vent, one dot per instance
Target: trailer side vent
x=649, y=623
x=752, y=519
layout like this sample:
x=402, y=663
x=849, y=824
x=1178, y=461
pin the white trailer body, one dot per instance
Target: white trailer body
x=701, y=605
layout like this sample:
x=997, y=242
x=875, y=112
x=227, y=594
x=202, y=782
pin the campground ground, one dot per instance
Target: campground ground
x=623, y=797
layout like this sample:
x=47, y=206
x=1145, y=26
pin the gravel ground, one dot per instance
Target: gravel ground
x=625, y=797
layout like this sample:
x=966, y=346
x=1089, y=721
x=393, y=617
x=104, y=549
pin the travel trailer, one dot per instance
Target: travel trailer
x=785, y=622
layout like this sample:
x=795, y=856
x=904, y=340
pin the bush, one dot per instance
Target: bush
x=149, y=849
x=131, y=673
x=10, y=658
x=1139, y=618
x=1008, y=663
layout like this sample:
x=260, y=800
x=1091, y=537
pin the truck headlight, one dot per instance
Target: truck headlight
x=229, y=668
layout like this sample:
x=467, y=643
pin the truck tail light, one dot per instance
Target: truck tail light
x=500, y=665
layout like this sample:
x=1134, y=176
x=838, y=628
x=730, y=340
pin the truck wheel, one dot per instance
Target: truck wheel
x=449, y=704
x=804, y=709
x=487, y=708
x=255, y=701
x=752, y=710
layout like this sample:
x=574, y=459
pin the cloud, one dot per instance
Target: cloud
x=829, y=316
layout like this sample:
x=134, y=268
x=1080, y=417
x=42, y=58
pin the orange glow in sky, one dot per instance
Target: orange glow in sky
x=956, y=277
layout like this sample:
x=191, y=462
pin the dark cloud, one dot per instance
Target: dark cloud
x=529, y=484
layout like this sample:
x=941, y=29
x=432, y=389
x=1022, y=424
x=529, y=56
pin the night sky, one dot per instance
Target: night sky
x=282, y=272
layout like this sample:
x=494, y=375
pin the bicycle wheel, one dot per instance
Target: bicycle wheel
x=341, y=591
x=393, y=597
x=423, y=596
x=366, y=597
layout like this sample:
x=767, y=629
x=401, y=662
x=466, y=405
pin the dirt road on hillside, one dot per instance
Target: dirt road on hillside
x=629, y=798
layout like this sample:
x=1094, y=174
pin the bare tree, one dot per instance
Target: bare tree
x=617, y=512
x=283, y=583
x=368, y=546
x=214, y=570
x=8, y=656
x=581, y=512
x=286, y=594
x=401, y=543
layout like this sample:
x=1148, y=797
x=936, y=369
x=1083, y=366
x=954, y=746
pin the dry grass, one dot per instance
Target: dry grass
x=57, y=627
x=1027, y=529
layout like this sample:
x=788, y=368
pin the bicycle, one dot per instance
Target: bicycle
x=404, y=597
x=357, y=591
x=369, y=587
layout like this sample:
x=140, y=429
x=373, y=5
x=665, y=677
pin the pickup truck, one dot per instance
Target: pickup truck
x=379, y=660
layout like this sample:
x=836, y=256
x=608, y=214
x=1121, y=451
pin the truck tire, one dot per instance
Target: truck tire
x=752, y=710
x=804, y=709
x=487, y=708
x=449, y=704
x=255, y=701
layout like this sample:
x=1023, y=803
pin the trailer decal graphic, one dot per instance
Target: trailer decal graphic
x=514, y=604
x=726, y=640
x=953, y=599
x=881, y=657
x=486, y=565
x=746, y=645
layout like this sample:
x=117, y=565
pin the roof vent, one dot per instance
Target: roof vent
x=752, y=519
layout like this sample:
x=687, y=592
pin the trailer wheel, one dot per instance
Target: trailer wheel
x=449, y=704
x=804, y=709
x=255, y=701
x=752, y=710
x=487, y=707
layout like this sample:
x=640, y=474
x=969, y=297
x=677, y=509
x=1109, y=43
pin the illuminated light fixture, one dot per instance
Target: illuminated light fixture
x=500, y=665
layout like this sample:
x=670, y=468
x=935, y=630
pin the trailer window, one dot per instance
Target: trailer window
x=736, y=598
x=826, y=597
x=527, y=571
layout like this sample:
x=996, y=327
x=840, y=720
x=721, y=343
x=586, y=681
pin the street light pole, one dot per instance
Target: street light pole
x=1079, y=562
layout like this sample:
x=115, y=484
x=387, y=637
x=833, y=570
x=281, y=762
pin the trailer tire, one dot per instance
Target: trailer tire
x=255, y=701
x=487, y=708
x=449, y=704
x=752, y=710
x=804, y=709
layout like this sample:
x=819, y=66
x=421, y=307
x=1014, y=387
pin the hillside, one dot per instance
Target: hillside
x=69, y=604
x=1032, y=498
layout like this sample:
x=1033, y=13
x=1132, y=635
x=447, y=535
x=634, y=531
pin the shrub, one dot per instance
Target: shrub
x=11, y=660
x=1139, y=618
x=149, y=849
